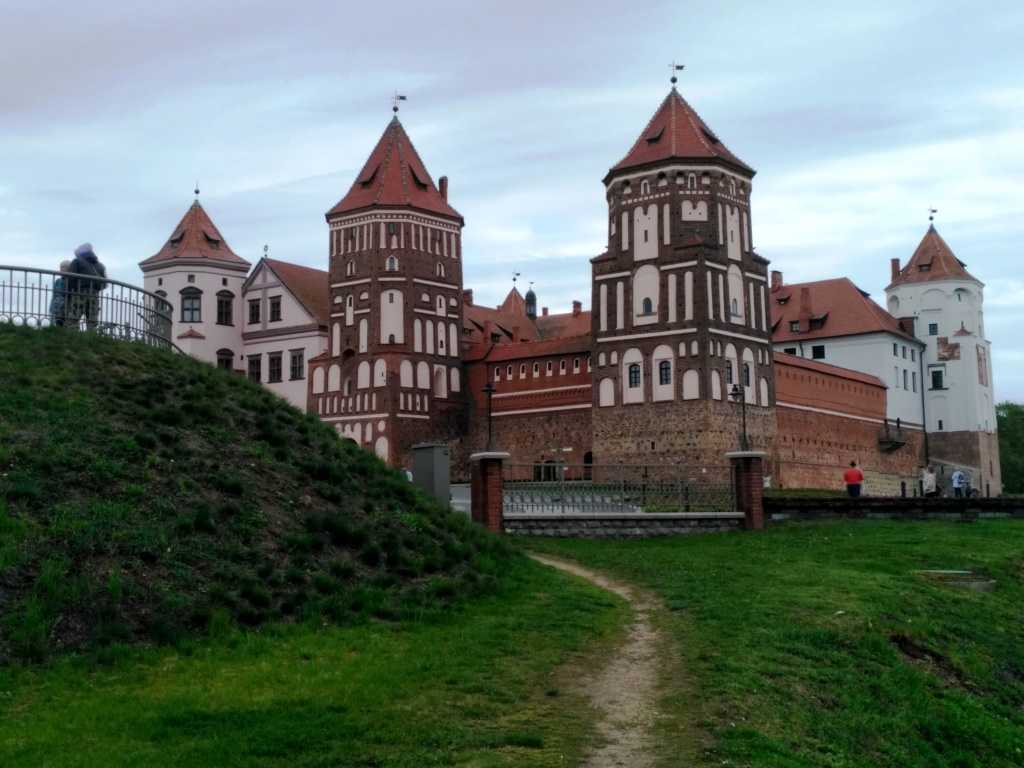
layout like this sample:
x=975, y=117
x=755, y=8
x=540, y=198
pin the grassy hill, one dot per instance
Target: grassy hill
x=144, y=495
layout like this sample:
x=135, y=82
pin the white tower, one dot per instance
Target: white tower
x=945, y=303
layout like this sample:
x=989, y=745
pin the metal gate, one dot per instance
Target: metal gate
x=585, y=489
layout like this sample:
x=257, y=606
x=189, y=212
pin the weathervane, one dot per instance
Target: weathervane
x=197, y=188
x=514, y=278
x=931, y=215
x=266, y=250
x=395, y=99
x=673, y=68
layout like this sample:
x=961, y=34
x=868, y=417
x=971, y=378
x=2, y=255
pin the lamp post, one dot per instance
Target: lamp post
x=489, y=391
x=738, y=394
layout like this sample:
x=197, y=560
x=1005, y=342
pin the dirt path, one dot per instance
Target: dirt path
x=625, y=690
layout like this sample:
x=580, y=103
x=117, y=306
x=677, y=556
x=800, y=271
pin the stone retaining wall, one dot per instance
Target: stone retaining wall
x=780, y=509
x=626, y=526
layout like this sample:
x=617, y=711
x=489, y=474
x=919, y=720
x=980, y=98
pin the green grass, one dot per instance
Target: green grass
x=816, y=645
x=489, y=684
x=143, y=494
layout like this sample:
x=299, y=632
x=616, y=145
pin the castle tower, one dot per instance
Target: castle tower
x=680, y=301
x=392, y=375
x=944, y=301
x=202, y=278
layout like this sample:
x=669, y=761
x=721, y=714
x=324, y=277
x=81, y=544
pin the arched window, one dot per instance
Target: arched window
x=664, y=372
x=634, y=376
x=191, y=305
x=692, y=181
x=645, y=187
x=391, y=265
x=225, y=308
x=440, y=269
x=350, y=268
x=225, y=359
x=746, y=374
x=648, y=307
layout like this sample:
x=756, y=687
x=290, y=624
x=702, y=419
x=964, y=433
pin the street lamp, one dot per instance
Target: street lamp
x=738, y=394
x=489, y=391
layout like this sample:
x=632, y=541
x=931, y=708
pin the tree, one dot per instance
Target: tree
x=1010, y=419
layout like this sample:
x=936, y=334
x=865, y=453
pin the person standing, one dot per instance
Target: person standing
x=59, y=299
x=84, y=292
x=959, y=480
x=854, y=479
x=928, y=485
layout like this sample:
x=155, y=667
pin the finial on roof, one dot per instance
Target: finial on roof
x=514, y=278
x=395, y=99
x=931, y=215
x=266, y=250
x=673, y=68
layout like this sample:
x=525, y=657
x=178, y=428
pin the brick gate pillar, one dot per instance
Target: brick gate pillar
x=486, y=500
x=748, y=483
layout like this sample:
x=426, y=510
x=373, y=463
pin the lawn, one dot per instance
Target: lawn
x=818, y=644
x=488, y=684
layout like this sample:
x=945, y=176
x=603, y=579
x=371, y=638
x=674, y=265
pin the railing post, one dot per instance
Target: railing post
x=748, y=480
x=487, y=489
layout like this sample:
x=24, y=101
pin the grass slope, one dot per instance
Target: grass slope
x=488, y=684
x=145, y=495
x=817, y=645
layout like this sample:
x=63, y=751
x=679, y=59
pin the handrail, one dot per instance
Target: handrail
x=34, y=298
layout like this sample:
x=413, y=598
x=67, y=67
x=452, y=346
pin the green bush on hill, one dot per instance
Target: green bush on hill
x=1010, y=421
x=145, y=495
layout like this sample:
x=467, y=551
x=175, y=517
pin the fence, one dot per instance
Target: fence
x=39, y=298
x=585, y=489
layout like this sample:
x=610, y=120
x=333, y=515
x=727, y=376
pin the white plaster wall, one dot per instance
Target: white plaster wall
x=646, y=282
x=661, y=391
x=603, y=291
x=392, y=316
x=645, y=232
x=697, y=211
x=311, y=343
x=606, y=392
x=732, y=234
x=620, y=305
x=673, y=299
x=632, y=394
x=736, y=309
x=688, y=296
x=691, y=385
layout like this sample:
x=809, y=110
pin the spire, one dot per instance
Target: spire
x=677, y=132
x=394, y=175
x=196, y=238
x=932, y=260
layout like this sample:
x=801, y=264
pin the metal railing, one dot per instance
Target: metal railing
x=39, y=298
x=585, y=489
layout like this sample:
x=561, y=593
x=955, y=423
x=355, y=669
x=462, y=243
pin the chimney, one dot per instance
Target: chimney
x=577, y=307
x=467, y=297
x=805, y=309
x=895, y=268
x=776, y=280
x=544, y=311
x=442, y=184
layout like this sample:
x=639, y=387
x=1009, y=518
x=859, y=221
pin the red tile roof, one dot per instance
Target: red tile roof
x=309, y=286
x=563, y=324
x=781, y=358
x=933, y=260
x=533, y=349
x=195, y=237
x=191, y=333
x=677, y=132
x=394, y=175
x=837, y=308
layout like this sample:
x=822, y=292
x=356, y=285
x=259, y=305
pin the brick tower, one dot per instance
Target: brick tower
x=680, y=301
x=392, y=375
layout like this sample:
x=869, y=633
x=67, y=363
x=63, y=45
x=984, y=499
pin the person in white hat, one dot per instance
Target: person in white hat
x=84, y=292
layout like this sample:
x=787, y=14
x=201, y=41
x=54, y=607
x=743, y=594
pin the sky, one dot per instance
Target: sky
x=857, y=116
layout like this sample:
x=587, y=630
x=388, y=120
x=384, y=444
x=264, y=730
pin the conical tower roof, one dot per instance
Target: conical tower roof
x=196, y=238
x=394, y=175
x=933, y=260
x=677, y=132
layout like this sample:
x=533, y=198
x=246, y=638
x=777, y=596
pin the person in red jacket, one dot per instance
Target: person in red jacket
x=853, y=478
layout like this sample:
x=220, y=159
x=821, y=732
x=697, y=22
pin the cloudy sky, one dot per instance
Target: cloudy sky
x=857, y=116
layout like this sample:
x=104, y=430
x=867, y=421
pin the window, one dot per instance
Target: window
x=933, y=329
x=275, y=309
x=191, y=278
x=940, y=425
x=895, y=350
x=728, y=373
x=254, y=311
x=913, y=355
x=225, y=308
x=255, y=368
x=497, y=374
x=159, y=281
x=575, y=365
x=664, y=372
x=536, y=369
x=790, y=350
x=734, y=308
x=905, y=379
x=522, y=370
x=746, y=374
x=648, y=307
x=350, y=268
x=561, y=367
x=634, y=375
x=818, y=352
x=549, y=368
x=191, y=306
x=508, y=372
x=896, y=377
x=440, y=270
x=794, y=326
x=298, y=364
x=904, y=352
x=223, y=281
x=937, y=379
x=225, y=359
x=274, y=374
x=913, y=380
x=391, y=265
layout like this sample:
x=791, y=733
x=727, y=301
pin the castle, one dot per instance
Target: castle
x=690, y=333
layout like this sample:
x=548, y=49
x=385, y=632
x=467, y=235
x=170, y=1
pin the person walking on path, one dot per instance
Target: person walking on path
x=928, y=485
x=959, y=480
x=854, y=479
x=84, y=292
x=59, y=299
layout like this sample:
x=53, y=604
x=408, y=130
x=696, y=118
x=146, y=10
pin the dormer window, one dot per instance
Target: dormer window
x=925, y=268
x=794, y=326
